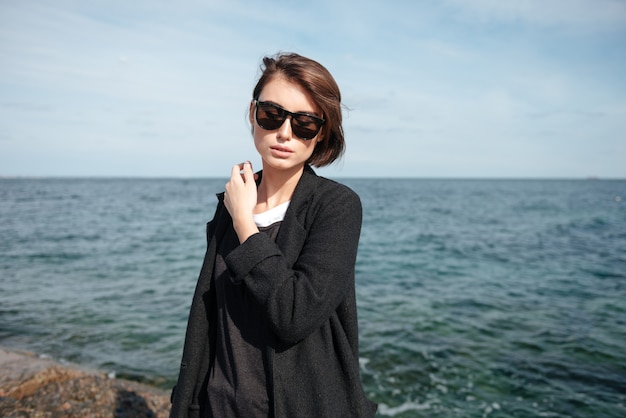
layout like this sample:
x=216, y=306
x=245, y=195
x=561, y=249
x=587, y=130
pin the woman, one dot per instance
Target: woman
x=272, y=329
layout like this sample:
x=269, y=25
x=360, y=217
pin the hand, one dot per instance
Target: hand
x=240, y=199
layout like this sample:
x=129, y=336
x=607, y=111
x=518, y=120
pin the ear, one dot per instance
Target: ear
x=320, y=135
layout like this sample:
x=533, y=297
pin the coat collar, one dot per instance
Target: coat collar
x=304, y=189
x=292, y=231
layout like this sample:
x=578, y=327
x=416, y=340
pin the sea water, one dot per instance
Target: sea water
x=500, y=298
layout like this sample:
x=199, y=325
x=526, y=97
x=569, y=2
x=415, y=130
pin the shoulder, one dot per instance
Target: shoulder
x=324, y=190
x=321, y=200
x=332, y=190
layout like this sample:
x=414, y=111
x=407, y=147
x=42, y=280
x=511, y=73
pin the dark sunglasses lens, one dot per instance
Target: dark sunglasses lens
x=305, y=127
x=269, y=117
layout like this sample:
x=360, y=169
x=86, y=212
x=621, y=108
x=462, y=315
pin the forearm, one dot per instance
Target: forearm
x=244, y=227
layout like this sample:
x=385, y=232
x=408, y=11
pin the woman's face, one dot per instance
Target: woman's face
x=279, y=148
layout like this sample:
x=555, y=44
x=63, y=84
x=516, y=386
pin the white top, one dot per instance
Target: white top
x=269, y=217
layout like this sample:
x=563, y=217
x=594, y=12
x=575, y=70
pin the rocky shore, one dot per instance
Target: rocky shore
x=31, y=386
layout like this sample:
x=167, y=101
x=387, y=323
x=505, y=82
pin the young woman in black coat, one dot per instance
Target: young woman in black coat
x=272, y=330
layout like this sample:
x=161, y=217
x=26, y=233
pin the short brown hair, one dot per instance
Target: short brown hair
x=316, y=80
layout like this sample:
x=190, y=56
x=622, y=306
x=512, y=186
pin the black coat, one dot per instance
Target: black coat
x=305, y=284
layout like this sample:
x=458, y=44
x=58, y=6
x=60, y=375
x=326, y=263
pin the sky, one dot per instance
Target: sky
x=431, y=89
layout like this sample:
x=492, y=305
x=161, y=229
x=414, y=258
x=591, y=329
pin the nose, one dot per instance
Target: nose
x=284, y=132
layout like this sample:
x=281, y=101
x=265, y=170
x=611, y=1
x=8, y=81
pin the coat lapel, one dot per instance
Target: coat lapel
x=293, y=232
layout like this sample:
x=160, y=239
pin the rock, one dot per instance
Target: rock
x=35, y=387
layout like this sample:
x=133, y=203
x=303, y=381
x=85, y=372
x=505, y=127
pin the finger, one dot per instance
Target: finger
x=236, y=172
x=240, y=168
x=242, y=165
x=246, y=171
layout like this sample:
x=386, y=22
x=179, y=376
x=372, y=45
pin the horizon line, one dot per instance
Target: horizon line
x=352, y=177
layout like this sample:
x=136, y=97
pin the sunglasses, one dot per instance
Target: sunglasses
x=270, y=116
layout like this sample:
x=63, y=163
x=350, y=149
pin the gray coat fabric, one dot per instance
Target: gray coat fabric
x=305, y=284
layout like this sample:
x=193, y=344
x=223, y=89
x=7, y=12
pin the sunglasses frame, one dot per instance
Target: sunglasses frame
x=319, y=122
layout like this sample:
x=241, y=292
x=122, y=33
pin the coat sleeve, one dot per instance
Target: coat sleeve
x=298, y=297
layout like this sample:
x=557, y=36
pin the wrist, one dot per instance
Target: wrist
x=244, y=228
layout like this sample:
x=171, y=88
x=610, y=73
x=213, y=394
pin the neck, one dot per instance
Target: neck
x=276, y=187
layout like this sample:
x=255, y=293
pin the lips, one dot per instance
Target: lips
x=279, y=151
x=280, y=148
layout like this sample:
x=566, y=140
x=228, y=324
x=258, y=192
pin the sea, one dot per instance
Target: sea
x=476, y=297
